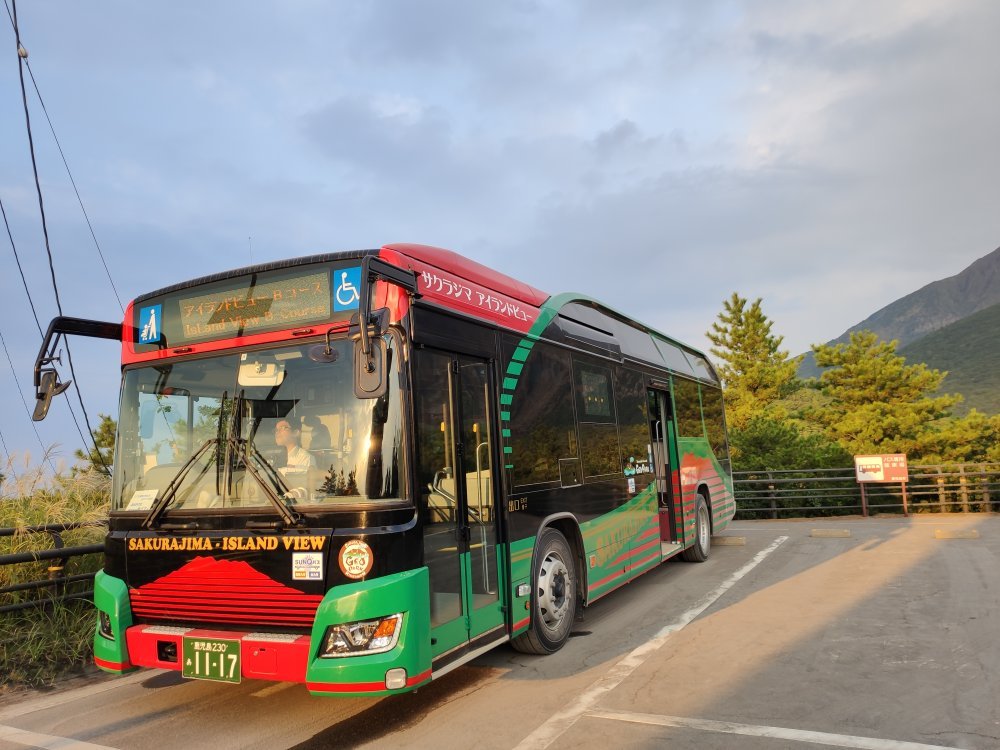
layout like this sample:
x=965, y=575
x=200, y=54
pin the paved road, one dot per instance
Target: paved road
x=886, y=639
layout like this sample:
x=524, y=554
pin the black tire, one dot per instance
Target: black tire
x=699, y=551
x=553, y=597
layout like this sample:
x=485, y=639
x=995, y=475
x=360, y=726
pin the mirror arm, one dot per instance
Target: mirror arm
x=374, y=268
x=46, y=388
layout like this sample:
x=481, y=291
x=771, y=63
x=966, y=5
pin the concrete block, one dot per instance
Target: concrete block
x=956, y=534
x=830, y=533
x=729, y=541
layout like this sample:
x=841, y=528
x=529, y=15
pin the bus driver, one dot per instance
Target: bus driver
x=298, y=460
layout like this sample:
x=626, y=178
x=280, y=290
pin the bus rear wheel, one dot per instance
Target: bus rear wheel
x=698, y=552
x=554, y=597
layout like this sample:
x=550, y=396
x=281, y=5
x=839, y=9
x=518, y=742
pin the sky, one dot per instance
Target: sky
x=826, y=157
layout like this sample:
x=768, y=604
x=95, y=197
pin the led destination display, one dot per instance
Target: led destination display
x=247, y=309
x=266, y=301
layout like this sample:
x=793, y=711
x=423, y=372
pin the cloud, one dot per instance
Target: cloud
x=828, y=157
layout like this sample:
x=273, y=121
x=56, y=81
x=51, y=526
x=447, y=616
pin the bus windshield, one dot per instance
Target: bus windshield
x=247, y=429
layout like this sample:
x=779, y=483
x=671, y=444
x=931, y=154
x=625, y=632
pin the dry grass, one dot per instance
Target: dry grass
x=41, y=644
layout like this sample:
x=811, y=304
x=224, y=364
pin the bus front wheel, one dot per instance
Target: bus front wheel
x=698, y=552
x=554, y=598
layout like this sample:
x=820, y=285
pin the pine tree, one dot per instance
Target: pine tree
x=99, y=459
x=755, y=371
x=877, y=402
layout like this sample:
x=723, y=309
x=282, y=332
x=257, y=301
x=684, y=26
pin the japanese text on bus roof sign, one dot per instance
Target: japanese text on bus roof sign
x=450, y=287
x=246, y=309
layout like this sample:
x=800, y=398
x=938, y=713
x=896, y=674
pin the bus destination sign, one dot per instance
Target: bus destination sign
x=239, y=310
x=270, y=300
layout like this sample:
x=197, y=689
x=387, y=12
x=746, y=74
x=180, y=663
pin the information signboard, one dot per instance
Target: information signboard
x=884, y=468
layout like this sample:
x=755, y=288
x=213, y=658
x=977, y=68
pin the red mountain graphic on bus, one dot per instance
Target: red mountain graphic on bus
x=207, y=590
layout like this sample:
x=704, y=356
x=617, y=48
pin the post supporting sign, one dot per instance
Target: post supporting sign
x=887, y=468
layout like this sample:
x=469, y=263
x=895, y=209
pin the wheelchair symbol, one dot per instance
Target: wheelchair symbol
x=347, y=295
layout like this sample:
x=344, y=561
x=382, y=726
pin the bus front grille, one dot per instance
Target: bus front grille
x=222, y=591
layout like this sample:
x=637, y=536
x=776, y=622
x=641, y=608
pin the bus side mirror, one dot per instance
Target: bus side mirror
x=371, y=373
x=48, y=387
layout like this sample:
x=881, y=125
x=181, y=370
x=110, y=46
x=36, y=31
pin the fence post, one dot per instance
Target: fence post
x=987, y=506
x=57, y=570
x=940, y=484
x=770, y=494
x=963, y=488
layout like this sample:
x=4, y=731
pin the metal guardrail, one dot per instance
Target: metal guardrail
x=58, y=585
x=944, y=488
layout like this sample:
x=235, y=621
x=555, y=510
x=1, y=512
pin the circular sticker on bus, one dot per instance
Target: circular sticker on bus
x=356, y=559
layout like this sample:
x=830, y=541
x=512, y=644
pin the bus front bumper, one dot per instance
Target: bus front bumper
x=287, y=657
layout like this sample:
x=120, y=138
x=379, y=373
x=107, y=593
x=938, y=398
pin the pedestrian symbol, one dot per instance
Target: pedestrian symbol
x=149, y=324
x=347, y=288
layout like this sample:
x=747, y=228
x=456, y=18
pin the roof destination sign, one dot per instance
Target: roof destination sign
x=264, y=301
x=244, y=309
x=890, y=467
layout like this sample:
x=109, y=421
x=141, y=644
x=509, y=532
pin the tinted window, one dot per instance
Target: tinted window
x=715, y=425
x=633, y=430
x=593, y=393
x=599, y=443
x=687, y=408
x=636, y=343
x=701, y=367
x=541, y=414
x=673, y=356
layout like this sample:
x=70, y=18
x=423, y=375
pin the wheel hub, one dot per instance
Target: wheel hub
x=553, y=594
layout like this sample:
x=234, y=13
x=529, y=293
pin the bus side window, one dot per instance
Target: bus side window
x=633, y=428
x=687, y=407
x=715, y=425
x=543, y=427
x=595, y=410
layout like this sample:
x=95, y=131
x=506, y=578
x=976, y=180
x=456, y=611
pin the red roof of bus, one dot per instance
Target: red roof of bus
x=468, y=269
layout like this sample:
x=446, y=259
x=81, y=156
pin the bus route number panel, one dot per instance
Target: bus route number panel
x=208, y=659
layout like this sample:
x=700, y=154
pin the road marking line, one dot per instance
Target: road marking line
x=67, y=696
x=272, y=689
x=48, y=741
x=781, y=733
x=558, y=723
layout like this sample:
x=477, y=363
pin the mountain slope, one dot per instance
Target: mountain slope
x=969, y=350
x=930, y=308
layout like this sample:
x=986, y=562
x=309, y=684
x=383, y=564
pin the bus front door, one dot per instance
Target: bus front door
x=663, y=441
x=458, y=491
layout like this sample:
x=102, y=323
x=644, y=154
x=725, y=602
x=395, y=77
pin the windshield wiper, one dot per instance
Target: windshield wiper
x=290, y=517
x=238, y=448
x=175, y=484
x=227, y=451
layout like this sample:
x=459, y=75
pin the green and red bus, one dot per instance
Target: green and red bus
x=360, y=470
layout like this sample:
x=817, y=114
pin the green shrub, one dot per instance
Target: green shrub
x=41, y=644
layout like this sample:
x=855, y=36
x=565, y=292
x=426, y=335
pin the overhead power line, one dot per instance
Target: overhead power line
x=62, y=155
x=20, y=270
x=21, y=57
x=100, y=253
x=10, y=462
x=31, y=303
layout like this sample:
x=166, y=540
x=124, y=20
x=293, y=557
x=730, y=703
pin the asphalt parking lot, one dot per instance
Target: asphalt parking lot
x=801, y=636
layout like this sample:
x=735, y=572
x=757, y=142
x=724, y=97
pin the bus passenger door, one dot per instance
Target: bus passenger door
x=457, y=495
x=664, y=448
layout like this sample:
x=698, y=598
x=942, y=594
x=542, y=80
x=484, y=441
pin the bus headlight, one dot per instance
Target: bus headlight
x=362, y=637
